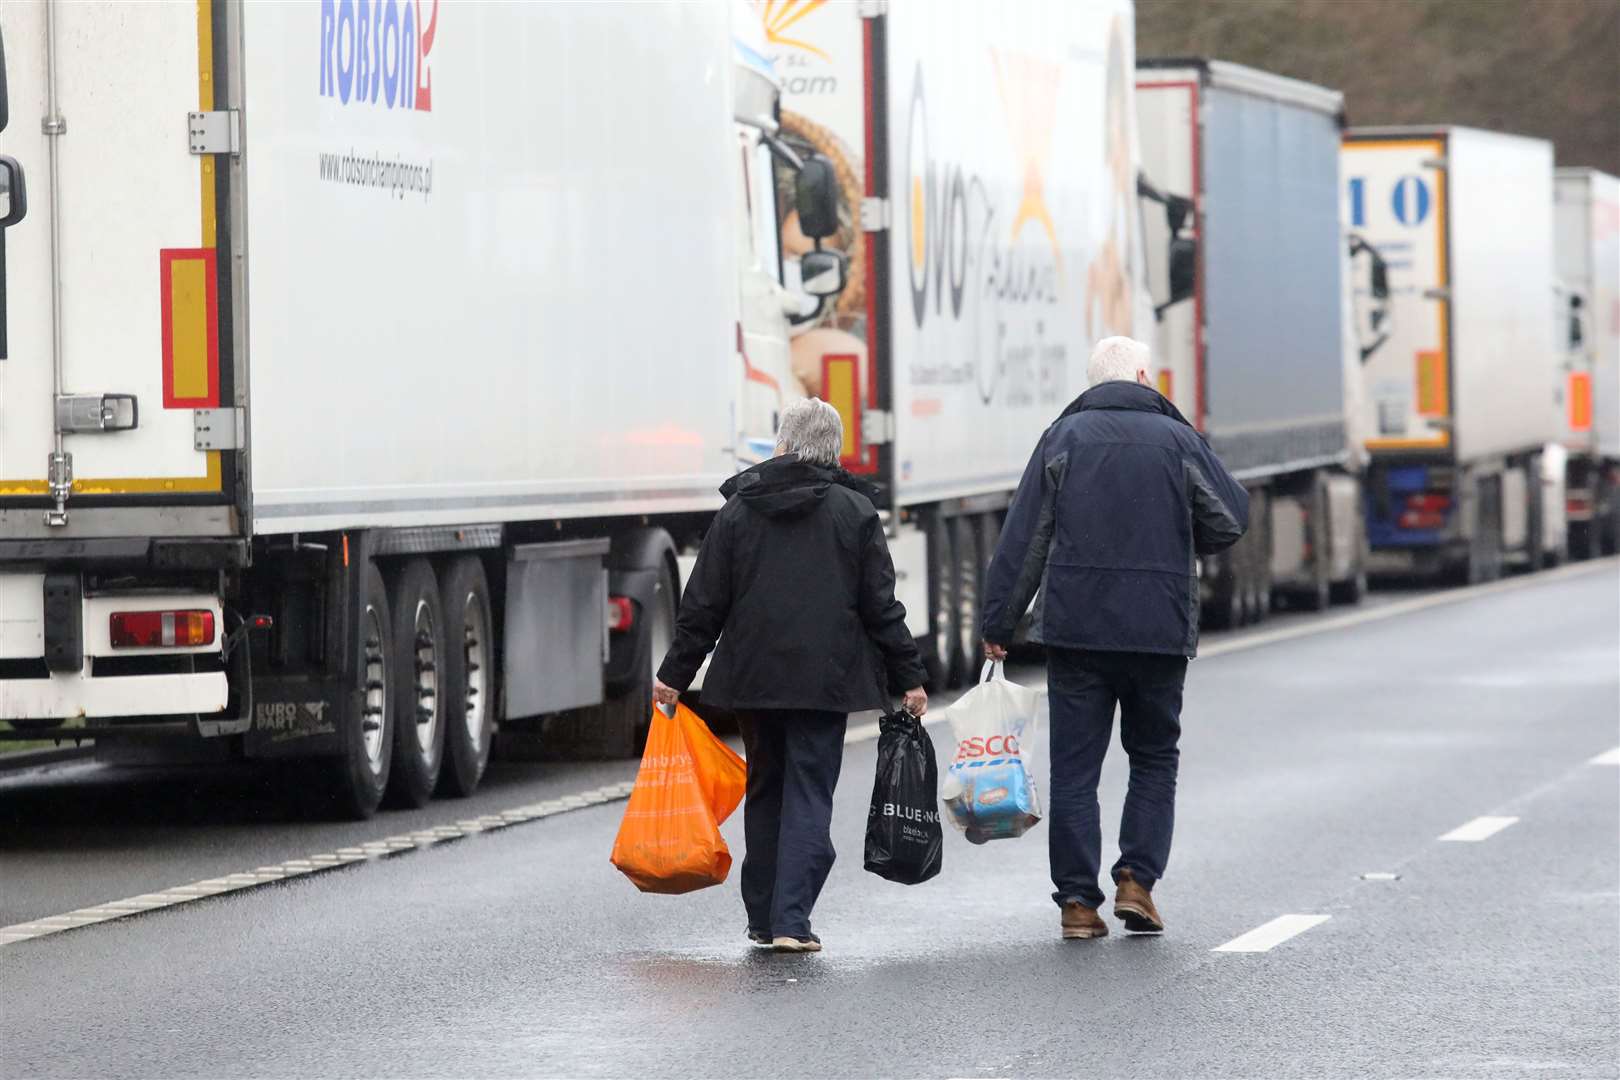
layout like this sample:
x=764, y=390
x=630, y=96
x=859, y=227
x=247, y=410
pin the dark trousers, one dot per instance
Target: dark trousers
x=1083, y=688
x=794, y=756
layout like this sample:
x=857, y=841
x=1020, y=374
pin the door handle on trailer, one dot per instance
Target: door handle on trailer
x=93, y=414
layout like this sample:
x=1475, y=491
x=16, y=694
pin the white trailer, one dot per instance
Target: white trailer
x=1241, y=193
x=1587, y=220
x=1463, y=395
x=370, y=363
x=988, y=157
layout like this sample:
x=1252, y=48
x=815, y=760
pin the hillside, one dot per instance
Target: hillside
x=1549, y=68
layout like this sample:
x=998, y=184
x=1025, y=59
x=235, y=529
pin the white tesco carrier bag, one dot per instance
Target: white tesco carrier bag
x=989, y=789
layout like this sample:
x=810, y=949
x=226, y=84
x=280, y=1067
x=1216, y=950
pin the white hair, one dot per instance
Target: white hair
x=1117, y=359
x=812, y=429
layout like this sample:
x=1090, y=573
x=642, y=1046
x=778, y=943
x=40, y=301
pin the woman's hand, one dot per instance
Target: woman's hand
x=665, y=695
x=916, y=701
x=992, y=651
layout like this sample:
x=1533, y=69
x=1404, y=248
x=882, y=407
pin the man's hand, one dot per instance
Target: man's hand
x=992, y=651
x=915, y=701
x=664, y=695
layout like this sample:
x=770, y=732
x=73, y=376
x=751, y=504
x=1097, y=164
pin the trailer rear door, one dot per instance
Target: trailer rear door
x=120, y=339
x=1397, y=186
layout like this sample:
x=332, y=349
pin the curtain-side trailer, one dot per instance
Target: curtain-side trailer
x=988, y=159
x=1463, y=396
x=1587, y=220
x=369, y=364
x=1241, y=194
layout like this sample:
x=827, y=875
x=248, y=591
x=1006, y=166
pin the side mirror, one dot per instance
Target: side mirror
x=13, y=192
x=5, y=106
x=1176, y=210
x=816, y=198
x=822, y=273
x=1380, y=279
x=1577, y=336
x=1183, y=268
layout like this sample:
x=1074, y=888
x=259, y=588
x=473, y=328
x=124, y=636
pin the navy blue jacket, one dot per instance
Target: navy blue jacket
x=1119, y=498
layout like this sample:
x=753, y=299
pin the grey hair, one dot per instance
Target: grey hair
x=1116, y=359
x=812, y=429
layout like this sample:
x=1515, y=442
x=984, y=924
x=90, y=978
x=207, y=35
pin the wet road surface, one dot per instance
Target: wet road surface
x=1307, y=763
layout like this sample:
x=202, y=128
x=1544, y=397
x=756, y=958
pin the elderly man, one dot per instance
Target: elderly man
x=795, y=581
x=1118, y=499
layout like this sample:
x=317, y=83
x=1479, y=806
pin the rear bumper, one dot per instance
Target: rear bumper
x=75, y=695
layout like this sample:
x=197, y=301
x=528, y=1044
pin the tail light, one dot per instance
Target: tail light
x=1426, y=510
x=161, y=629
x=621, y=613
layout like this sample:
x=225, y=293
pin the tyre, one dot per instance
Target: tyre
x=1225, y=608
x=941, y=641
x=1353, y=590
x=969, y=591
x=357, y=779
x=468, y=683
x=626, y=718
x=419, y=649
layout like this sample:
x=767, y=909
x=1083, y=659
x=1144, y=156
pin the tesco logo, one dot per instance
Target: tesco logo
x=994, y=746
x=379, y=52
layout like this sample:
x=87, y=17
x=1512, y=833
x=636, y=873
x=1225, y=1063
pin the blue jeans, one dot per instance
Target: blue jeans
x=794, y=757
x=1084, y=687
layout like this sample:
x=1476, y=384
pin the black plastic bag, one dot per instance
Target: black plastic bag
x=903, y=838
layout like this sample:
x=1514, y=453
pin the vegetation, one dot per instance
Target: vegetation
x=1549, y=68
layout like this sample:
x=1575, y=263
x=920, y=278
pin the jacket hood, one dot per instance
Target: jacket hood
x=1118, y=394
x=785, y=486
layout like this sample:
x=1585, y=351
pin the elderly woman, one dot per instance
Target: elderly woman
x=795, y=582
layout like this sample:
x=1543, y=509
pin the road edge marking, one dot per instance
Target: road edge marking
x=366, y=851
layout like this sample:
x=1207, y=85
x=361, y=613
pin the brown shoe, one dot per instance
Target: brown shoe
x=1081, y=922
x=1133, y=905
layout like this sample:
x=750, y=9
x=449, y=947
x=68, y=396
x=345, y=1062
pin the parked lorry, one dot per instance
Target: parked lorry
x=1241, y=193
x=1463, y=396
x=988, y=159
x=1587, y=245
x=354, y=404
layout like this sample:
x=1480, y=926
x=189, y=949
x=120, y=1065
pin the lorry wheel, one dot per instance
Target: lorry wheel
x=1225, y=608
x=359, y=776
x=969, y=591
x=626, y=718
x=941, y=641
x=418, y=706
x=469, y=675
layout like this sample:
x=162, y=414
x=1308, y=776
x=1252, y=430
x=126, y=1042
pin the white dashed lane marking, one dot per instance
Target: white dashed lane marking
x=392, y=845
x=1274, y=933
x=1481, y=828
x=311, y=864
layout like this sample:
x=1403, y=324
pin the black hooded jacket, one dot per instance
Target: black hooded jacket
x=1119, y=498
x=795, y=581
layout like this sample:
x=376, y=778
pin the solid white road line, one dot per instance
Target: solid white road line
x=392, y=845
x=1481, y=828
x=1406, y=607
x=1274, y=933
x=1608, y=757
x=312, y=864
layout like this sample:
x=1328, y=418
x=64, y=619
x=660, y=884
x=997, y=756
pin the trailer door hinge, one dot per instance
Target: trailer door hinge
x=1437, y=294
x=217, y=429
x=875, y=214
x=217, y=132
x=873, y=9
x=1436, y=163
x=877, y=427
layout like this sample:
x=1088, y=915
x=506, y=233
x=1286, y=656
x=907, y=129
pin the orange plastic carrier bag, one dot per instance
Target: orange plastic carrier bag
x=689, y=782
